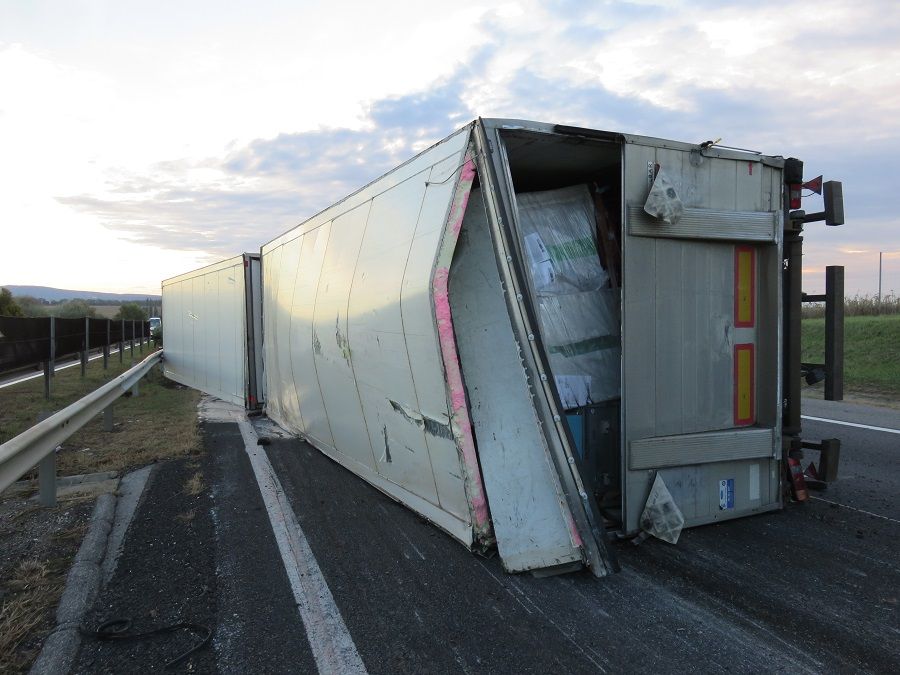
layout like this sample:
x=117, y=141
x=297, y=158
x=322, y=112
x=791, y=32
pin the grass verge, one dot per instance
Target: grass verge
x=31, y=590
x=33, y=587
x=160, y=423
x=871, y=353
x=858, y=305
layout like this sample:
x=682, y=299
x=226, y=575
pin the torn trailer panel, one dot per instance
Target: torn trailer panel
x=464, y=333
x=369, y=305
x=212, y=330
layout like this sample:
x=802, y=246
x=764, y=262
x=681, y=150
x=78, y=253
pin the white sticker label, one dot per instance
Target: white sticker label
x=574, y=390
x=754, y=482
x=726, y=494
x=544, y=274
x=537, y=252
x=542, y=269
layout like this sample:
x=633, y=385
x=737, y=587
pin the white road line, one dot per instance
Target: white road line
x=851, y=424
x=853, y=508
x=332, y=646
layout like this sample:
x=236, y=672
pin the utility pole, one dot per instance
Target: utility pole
x=880, y=253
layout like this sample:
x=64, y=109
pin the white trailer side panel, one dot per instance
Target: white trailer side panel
x=353, y=357
x=203, y=318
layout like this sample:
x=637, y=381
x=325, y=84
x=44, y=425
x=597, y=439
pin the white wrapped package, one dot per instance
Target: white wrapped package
x=579, y=316
x=559, y=233
x=581, y=337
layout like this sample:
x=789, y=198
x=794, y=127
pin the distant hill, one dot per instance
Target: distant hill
x=57, y=294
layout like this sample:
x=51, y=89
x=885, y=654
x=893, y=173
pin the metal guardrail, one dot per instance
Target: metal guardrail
x=36, y=446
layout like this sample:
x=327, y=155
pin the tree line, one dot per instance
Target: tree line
x=68, y=309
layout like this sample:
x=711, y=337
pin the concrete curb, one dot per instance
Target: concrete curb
x=92, y=568
x=131, y=489
x=82, y=586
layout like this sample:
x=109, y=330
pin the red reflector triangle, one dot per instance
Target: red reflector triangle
x=815, y=185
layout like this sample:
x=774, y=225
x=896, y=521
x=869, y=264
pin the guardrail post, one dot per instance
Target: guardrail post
x=48, y=364
x=108, y=418
x=142, y=337
x=47, y=473
x=47, y=480
x=834, y=333
x=87, y=345
x=52, y=346
x=122, y=342
x=106, y=347
x=132, y=340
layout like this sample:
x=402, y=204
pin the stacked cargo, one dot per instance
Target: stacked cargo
x=578, y=312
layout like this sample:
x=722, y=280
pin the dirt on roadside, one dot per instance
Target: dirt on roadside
x=37, y=545
x=871, y=397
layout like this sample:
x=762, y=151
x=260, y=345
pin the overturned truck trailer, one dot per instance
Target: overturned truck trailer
x=212, y=330
x=499, y=335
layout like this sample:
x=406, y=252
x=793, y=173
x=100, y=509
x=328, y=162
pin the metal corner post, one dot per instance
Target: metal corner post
x=793, y=293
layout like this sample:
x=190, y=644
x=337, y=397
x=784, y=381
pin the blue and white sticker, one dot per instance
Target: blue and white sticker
x=726, y=494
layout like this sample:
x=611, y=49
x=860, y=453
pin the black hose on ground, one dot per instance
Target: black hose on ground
x=118, y=629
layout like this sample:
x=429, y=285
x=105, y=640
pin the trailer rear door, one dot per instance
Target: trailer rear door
x=701, y=333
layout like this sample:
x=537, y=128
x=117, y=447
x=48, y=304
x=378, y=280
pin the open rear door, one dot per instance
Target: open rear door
x=701, y=332
x=542, y=488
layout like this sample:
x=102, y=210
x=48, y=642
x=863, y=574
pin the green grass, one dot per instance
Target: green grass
x=871, y=352
x=858, y=305
x=161, y=422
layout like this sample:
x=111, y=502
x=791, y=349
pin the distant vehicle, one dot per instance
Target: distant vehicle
x=155, y=324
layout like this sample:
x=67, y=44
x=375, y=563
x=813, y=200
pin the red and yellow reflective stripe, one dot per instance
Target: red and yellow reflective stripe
x=744, y=286
x=744, y=394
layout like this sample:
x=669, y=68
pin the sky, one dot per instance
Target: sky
x=141, y=140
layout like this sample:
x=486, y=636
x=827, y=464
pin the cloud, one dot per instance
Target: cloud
x=221, y=206
x=819, y=84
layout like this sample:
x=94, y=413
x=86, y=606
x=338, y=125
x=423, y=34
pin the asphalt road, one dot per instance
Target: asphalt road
x=869, y=476
x=813, y=588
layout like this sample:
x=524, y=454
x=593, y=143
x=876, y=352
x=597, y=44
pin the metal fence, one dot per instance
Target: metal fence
x=29, y=341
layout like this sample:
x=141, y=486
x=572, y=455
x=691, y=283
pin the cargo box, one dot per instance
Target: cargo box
x=212, y=330
x=516, y=332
